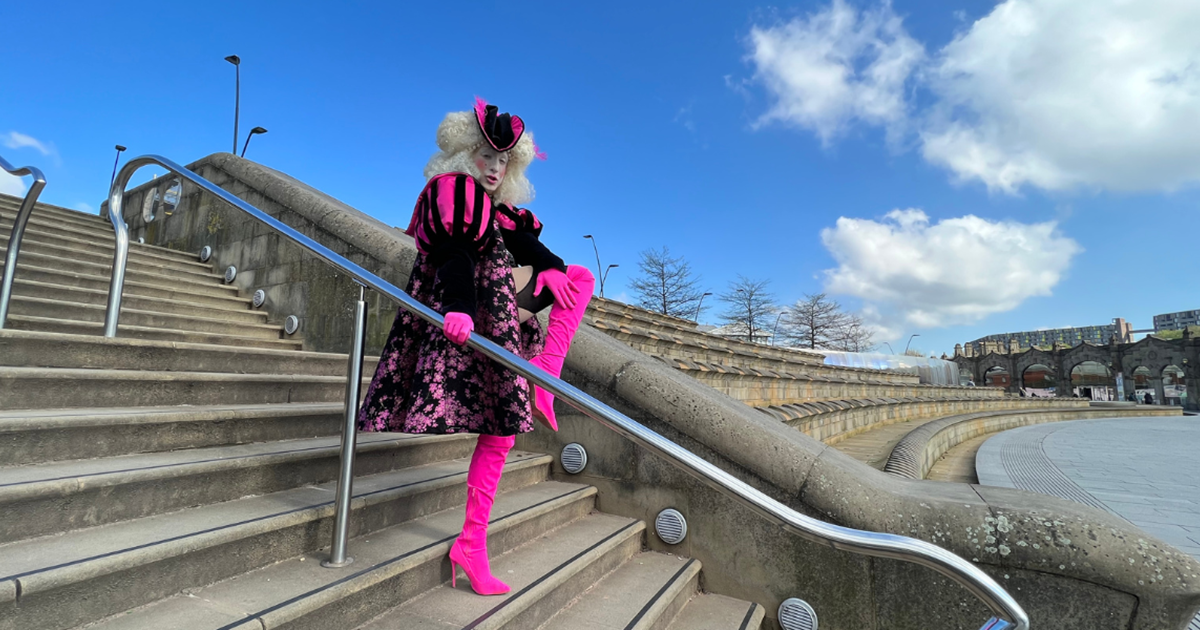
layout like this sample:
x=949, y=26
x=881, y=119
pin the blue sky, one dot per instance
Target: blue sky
x=995, y=166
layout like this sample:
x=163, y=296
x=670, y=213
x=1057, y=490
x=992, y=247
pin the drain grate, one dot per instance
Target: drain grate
x=574, y=458
x=671, y=526
x=796, y=614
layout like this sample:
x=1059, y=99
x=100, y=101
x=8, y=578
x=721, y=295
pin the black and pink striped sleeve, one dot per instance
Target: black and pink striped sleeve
x=521, y=230
x=452, y=225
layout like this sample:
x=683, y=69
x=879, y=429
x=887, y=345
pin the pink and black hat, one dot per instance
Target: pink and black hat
x=502, y=131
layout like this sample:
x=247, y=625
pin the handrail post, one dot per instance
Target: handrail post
x=345, y=486
x=18, y=232
x=116, y=216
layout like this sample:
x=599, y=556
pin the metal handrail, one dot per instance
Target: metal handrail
x=1009, y=614
x=18, y=231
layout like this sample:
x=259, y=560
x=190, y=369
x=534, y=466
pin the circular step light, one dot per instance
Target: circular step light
x=796, y=614
x=291, y=324
x=670, y=526
x=260, y=298
x=574, y=458
x=230, y=274
x=205, y=253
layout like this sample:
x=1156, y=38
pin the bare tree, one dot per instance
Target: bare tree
x=749, y=306
x=856, y=336
x=819, y=322
x=667, y=285
x=816, y=322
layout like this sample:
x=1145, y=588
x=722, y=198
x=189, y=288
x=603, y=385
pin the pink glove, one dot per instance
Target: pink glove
x=458, y=327
x=560, y=286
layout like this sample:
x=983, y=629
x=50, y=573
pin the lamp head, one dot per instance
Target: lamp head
x=587, y=236
x=257, y=130
x=119, y=148
x=234, y=59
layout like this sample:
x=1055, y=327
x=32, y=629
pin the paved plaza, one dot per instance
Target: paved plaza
x=1144, y=470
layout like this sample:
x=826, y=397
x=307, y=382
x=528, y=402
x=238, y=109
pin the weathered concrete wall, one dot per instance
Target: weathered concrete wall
x=1071, y=566
x=916, y=453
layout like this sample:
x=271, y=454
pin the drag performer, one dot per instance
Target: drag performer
x=481, y=265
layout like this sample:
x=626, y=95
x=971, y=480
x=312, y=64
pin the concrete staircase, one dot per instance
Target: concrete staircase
x=181, y=476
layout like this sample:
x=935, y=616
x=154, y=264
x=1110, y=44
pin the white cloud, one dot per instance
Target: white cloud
x=1055, y=94
x=17, y=140
x=833, y=67
x=83, y=206
x=10, y=185
x=911, y=273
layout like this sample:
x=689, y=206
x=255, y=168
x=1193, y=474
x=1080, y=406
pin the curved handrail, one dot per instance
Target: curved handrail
x=18, y=231
x=881, y=545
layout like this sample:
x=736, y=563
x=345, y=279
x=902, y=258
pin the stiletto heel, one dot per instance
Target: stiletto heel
x=453, y=575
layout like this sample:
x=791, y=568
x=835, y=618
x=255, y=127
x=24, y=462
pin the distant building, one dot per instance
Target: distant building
x=740, y=332
x=1176, y=321
x=1018, y=341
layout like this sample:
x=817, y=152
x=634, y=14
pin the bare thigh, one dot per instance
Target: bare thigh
x=522, y=276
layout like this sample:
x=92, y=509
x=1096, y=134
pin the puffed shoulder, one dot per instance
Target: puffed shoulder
x=454, y=207
x=517, y=219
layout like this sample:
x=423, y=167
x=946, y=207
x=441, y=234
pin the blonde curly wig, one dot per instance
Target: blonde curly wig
x=459, y=136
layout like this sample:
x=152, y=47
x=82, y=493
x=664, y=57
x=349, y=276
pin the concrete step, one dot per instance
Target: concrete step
x=61, y=496
x=100, y=235
x=104, y=251
x=644, y=594
x=20, y=348
x=218, y=322
x=9, y=207
x=716, y=612
x=43, y=388
x=545, y=575
x=233, y=311
x=125, y=330
x=200, y=293
x=67, y=259
x=37, y=436
x=390, y=565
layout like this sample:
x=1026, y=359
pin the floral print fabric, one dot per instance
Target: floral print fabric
x=427, y=384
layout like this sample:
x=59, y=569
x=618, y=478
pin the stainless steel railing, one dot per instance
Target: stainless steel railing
x=1009, y=614
x=18, y=231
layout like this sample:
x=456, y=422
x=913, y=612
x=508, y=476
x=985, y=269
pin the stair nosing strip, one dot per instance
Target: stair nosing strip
x=542, y=578
x=749, y=615
x=378, y=565
x=657, y=596
x=257, y=519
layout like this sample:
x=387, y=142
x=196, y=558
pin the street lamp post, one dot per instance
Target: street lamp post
x=776, y=328
x=599, y=271
x=890, y=346
x=910, y=338
x=253, y=132
x=606, y=270
x=237, y=96
x=698, y=305
x=112, y=179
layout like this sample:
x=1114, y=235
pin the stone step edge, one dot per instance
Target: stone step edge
x=288, y=451
x=100, y=234
x=237, y=307
x=132, y=266
x=512, y=603
x=177, y=346
x=43, y=239
x=140, y=282
x=755, y=613
x=222, y=339
x=16, y=201
x=183, y=319
x=21, y=420
x=674, y=593
x=85, y=569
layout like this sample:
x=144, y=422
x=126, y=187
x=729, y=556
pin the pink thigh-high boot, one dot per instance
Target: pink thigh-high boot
x=470, y=550
x=559, y=333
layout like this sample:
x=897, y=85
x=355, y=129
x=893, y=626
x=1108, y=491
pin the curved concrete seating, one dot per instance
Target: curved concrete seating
x=918, y=451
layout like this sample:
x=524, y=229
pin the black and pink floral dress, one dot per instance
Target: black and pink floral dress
x=427, y=384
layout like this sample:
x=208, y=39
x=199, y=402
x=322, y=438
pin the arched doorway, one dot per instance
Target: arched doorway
x=997, y=376
x=1174, y=387
x=1143, y=384
x=965, y=377
x=1092, y=380
x=1038, y=381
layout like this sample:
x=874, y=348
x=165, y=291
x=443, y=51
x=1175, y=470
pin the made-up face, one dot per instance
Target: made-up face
x=492, y=166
